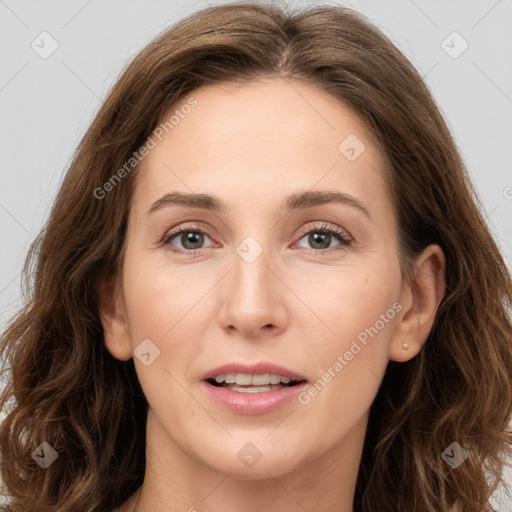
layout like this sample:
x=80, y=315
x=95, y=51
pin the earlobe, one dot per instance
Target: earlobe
x=422, y=298
x=113, y=318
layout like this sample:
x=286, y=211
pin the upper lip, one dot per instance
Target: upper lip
x=260, y=368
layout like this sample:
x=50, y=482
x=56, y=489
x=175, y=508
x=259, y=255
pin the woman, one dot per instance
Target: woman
x=265, y=284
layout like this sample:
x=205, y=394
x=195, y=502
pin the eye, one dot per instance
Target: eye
x=191, y=238
x=321, y=236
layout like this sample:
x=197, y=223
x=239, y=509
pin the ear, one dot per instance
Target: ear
x=420, y=301
x=113, y=318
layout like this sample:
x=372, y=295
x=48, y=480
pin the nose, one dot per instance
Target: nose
x=253, y=296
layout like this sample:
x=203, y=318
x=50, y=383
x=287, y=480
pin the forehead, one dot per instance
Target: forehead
x=260, y=137
x=270, y=108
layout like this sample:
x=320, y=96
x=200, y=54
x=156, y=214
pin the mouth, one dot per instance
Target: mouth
x=247, y=383
x=252, y=388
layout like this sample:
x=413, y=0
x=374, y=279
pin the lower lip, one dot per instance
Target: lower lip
x=253, y=403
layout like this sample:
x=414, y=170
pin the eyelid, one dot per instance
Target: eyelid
x=187, y=226
x=344, y=235
x=344, y=238
x=322, y=225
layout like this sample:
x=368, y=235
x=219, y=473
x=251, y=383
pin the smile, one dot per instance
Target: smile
x=252, y=398
x=247, y=383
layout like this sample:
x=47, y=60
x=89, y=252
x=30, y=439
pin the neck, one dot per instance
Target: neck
x=174, y=478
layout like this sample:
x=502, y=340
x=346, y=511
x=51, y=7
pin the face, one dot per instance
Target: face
x=283, y=272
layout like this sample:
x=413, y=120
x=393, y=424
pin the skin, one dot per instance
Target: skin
x=252, y=146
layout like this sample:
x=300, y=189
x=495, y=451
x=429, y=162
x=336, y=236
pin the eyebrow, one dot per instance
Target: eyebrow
x=303, y=200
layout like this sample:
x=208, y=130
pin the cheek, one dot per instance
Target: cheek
x=163, y=306
x=348, y=377
x=350, y=360
x=342, y=302
x=160, y=297
x=169, y=304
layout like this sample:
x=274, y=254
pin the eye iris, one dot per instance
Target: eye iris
x=192, y=237
x=321, y=238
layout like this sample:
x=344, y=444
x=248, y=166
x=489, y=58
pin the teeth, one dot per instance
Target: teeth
x=254, y=389
x=245, y=379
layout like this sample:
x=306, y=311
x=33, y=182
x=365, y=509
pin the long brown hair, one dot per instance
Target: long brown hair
x=70, y=392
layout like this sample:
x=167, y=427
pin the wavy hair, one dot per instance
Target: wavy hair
x=64, y=387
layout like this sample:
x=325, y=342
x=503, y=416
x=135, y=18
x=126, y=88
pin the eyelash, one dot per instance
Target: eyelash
x=340, y=234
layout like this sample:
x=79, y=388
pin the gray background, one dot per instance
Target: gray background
x=47, y=103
